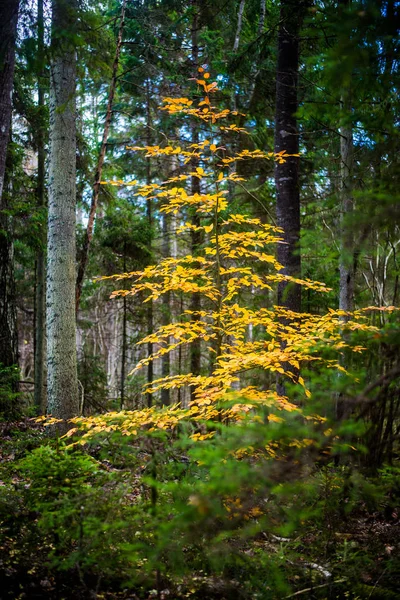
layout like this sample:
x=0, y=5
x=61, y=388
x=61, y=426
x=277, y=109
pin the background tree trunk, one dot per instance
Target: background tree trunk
x=347, y=246
x=149, y=214
x=166, y=310
x=239, y=25
x=286, y=138
x=261, y=21
x=8, y=320
x=346, y=267
x=62, y=380
x=287, y=173
x=40, y=399
x=196, y=238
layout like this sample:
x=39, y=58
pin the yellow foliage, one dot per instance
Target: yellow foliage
x=222, y=272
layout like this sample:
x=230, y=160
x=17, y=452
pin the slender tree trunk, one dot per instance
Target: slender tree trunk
x=123, y=355
x=8, y=30
x=150, y=374
x=239, y=25
x=347, y=245
x=40, y=291
x=196, y=238
x=8, y=320
x=195, y=304
x=234, y=106
x=166, y=312
x=286, y=138
x=124, y=344
x=100, y=162
x=261, y=21
x=346, y=267
x=62, y=380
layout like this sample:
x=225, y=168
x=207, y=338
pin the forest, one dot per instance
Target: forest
x=199, y=299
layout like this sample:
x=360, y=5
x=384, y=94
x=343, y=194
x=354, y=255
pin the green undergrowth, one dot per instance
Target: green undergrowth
x=259, y=510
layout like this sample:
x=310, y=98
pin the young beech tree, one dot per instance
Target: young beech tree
x=222, y=271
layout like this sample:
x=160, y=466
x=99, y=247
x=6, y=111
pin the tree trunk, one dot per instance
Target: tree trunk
x=261, y=21
x=8, y=30
x=150, y=370
x=8, y=320
x=196, y=238
x=124, y=341
x=123, y=353
x=166, y=311
x=287, y=139
x=40, y=289
x=347, y=246
x=239, y=25
x=346, y=267
x=62, y=380
x=287, y=173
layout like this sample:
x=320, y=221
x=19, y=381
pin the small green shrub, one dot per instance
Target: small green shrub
x=10, y=408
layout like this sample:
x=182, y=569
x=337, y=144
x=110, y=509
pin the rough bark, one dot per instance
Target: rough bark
x=286, y=138
x=8, y=321
x=62, y=381
x=100, y=162
x=40, y=399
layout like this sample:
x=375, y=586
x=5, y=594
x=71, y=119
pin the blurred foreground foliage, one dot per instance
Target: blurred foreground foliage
x=271, y=506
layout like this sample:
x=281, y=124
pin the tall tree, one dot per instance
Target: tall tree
x=239, y=26
x=346, y=267
x=196, y=238
x=62, y=380
x=40, y=291
x=8, y=328
x=149, y=214
x=287, y=139
x=167, y=313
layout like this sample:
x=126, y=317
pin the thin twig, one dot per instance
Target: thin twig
x=316, y=587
